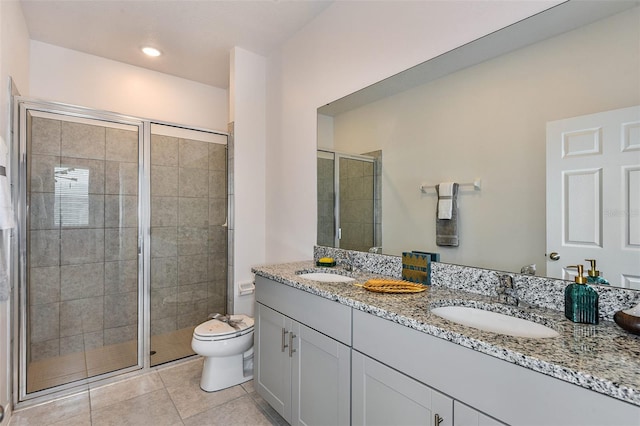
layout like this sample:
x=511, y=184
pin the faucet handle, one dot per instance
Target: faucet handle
x=506, y=280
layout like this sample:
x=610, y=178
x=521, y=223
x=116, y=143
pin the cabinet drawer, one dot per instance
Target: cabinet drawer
x=326, y=316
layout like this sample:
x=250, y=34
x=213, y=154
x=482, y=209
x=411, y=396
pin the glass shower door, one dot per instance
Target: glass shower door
x=80, y=274
x=188, y=236
x=326, y=199
x=349, y=200
x=356, y=205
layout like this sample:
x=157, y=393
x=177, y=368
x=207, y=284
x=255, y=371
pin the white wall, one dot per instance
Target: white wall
x=325, y=132
x=489, y=121
x=69, y=76
x=248, y=105
x=346, y=48
x=14, y=62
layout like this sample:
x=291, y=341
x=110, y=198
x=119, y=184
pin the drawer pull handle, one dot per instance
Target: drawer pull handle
x=291, y=350
x=438, y=420
x=284, y=344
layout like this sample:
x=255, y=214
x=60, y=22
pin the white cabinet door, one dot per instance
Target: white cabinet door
x=272, y=378
x=383, y=396
x=303, y=374
x=463, y=415
x=321, y=382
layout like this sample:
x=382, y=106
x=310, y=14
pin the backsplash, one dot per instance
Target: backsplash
x=538, y=291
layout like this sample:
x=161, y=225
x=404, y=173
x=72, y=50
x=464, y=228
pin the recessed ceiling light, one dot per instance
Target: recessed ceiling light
x=151, y=51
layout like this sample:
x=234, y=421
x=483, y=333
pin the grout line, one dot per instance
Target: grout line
x=269, y=412
x=175, y=407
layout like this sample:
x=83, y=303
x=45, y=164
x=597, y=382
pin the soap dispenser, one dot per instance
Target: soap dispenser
x=580, y=300
x=594, y=275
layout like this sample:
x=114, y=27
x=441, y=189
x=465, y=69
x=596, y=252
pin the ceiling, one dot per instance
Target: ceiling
x=195, y=37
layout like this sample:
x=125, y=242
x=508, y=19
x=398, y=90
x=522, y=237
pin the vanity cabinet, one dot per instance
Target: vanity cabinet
x=300, y=371
x=319, y=362
x=512, y=394
x=383, y=396
x=467, y=416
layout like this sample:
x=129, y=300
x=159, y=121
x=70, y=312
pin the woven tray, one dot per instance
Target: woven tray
x=380, y=285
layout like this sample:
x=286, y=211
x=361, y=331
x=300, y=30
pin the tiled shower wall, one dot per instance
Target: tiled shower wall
x=356, y=204
x=188, y=232
x=82, y=277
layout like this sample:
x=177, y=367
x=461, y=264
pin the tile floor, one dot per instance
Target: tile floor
x=165, y=396
x=62, y=369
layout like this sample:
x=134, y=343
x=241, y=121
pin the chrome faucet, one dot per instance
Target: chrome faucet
x=506, y=290
x=528, y=269
x=349, y=264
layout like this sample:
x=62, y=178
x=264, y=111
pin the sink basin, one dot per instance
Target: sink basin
x=326, y=277
x=494, y=322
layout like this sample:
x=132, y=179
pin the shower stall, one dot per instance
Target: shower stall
x=121, y=246
x=349, y=200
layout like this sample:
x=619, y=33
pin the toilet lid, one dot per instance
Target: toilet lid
x=217, y=328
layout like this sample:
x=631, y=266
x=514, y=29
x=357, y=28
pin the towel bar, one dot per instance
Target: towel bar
x=476, y=185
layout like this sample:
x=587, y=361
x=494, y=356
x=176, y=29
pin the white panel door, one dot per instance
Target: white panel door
x=593, y=195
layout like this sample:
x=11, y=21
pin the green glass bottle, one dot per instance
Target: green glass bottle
x=580, y=300
x=594, y=275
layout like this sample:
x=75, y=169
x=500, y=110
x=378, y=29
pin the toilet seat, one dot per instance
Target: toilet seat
x=214, y=329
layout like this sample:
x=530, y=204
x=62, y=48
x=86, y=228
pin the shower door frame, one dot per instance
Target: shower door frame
x=18, y=158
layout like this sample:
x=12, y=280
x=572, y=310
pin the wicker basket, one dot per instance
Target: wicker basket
x=381, y=285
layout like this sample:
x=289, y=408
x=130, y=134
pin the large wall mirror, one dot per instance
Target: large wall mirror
x=567, y=78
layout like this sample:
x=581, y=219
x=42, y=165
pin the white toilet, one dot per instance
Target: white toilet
x=227, y=348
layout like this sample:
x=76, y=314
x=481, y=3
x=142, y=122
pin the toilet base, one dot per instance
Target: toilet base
x=223, y=372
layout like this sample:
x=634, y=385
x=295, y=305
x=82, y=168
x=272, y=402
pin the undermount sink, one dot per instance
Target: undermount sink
x=494, y=322
x=326, y=277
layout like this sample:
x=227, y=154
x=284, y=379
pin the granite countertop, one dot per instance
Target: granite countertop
x=602, y=357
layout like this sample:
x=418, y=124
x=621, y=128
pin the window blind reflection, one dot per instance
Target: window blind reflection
x=71, y=196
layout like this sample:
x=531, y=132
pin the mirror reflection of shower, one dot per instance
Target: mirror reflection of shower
x=349, y=200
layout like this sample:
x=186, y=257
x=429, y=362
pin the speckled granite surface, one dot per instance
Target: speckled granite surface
x=603, y=358
x=538, y=291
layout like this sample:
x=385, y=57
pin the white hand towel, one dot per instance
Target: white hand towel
x=6, y=212
x=445, y=200
x=5, y=286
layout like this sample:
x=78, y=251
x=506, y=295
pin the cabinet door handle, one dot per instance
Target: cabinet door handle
x=284, y=344
x=291, y=350
x=438, y=420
